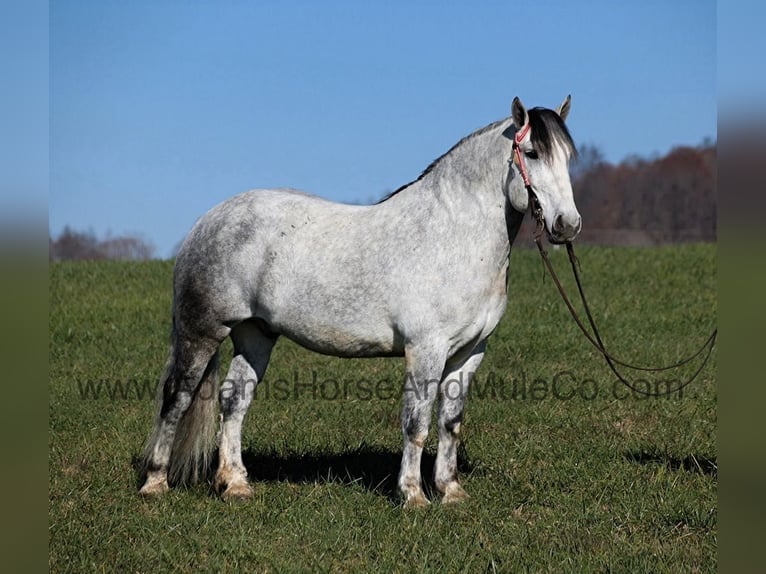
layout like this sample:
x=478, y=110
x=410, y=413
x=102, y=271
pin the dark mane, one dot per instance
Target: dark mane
x=433, y=164
x=547, y=127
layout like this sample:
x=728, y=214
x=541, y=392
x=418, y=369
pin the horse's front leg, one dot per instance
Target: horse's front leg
x=452, y=393
x=424, y=369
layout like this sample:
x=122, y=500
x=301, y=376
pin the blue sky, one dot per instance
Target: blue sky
x=159, y=110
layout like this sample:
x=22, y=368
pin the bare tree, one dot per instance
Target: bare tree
x=78, y=245
x=589, y=157
x=662, y=199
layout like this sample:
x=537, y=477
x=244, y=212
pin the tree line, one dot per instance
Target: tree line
x=81, y=245
x=669, y=199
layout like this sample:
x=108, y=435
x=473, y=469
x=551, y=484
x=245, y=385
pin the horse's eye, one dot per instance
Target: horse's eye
x=531, y=154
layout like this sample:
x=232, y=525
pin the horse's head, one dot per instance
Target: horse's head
x=542, y=149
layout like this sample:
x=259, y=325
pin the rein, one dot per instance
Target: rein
x=595, y=338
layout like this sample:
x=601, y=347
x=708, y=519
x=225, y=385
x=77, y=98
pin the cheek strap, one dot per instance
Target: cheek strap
x=517, y=157
x=536, y=209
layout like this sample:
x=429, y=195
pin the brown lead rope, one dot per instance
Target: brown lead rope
x=575, y=263
x=597, y=341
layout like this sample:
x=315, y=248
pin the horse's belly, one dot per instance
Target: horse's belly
x=333, y=329
x=342, y=342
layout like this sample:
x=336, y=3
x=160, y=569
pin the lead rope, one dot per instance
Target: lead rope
x=595, y=339
x=597, y=342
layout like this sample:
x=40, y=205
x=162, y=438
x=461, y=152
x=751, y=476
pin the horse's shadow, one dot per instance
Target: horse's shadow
x=375, y=469
x=692, y=463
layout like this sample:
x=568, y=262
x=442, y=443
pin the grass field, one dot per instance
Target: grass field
x=567, y=471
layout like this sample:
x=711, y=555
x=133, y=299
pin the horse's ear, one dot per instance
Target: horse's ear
x=563, y=109
x=519, y=113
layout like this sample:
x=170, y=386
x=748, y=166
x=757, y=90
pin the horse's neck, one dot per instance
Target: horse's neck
x=477, y=166
x=466, y=189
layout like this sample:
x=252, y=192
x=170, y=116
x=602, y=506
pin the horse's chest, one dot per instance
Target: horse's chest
x=479, y=315
x=492, y=312
x=495, y=308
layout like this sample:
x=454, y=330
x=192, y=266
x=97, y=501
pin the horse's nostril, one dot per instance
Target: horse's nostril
x=563, y=228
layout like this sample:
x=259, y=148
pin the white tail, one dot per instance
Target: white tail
x=194, y=441
x=195, y=434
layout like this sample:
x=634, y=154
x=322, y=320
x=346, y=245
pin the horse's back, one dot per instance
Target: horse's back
x=253, y=219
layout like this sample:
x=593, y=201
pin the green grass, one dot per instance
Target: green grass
x=611, y=483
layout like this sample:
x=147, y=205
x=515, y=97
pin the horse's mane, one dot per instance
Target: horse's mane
x=435, y=162
x=546, y=128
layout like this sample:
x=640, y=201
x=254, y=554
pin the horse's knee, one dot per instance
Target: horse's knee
x=174, y=404
x=418, y=440
x=415, y=430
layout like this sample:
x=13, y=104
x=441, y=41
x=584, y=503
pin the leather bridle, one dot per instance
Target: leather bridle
x=595, y=339
x=518, y=159
x=517, y=139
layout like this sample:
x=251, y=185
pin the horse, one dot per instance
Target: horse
x=422, y=274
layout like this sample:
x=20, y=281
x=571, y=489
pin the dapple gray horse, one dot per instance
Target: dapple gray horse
x=423, y=274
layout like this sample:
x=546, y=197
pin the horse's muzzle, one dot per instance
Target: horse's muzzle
x=565, y=229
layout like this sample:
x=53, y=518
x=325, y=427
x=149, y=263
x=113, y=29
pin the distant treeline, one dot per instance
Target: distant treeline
x=78, y=245
x=669, y=199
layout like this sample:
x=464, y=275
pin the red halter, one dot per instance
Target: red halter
x=518, y=138
x=536, y=209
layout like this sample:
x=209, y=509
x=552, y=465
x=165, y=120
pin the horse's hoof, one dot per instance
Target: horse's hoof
x=238, y=491
x=154, y=488
x=455, y=494
x=416, y=501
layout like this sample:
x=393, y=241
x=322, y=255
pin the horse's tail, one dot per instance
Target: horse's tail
x=195, y=438
x=195, y=435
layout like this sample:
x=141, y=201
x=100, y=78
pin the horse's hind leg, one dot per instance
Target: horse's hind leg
x=424, y=369
x=252, y=349
x=453, y=390
x=191, y=364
